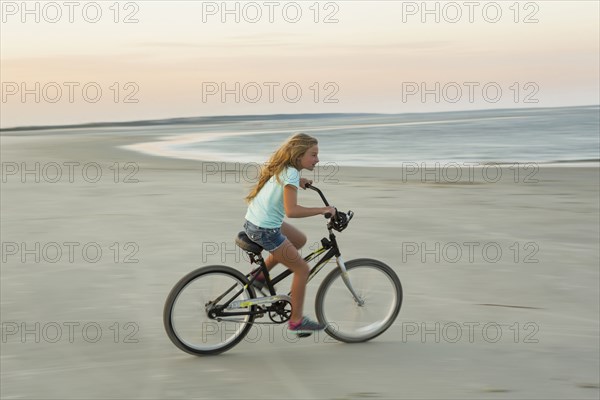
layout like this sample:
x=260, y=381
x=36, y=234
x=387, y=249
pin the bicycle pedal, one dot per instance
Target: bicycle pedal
x=303, y=334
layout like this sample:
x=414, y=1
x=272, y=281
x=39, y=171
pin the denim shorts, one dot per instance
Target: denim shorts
x=267, y=238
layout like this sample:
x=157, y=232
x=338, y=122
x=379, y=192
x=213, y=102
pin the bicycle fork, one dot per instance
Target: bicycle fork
x=346, y=278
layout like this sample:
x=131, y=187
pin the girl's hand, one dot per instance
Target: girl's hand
x=304, y=181
x=331, y=210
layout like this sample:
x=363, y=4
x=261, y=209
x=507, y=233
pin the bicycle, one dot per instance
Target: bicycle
x=211, y=309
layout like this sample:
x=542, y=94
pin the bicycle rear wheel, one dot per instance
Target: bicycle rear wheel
x=376, y=284
x=185, y=315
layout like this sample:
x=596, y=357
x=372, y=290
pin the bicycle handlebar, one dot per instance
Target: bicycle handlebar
x=309, y=186
x=316, y=189
x=340, y=223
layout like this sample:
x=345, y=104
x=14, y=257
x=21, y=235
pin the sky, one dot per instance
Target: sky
x=81, y=61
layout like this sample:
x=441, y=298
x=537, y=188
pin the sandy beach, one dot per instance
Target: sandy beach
x=499, y=268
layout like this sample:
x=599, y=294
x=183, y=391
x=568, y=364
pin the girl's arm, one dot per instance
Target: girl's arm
x=294, y=210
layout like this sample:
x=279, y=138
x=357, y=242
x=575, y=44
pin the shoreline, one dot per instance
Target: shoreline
x=209, y=139
x=154, y=149
x=163, y=148
x=115, y=148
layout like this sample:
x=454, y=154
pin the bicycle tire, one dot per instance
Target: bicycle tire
x=342, y=331
x=169, y=314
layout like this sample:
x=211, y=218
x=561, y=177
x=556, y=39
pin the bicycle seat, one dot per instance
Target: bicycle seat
x=246, y=244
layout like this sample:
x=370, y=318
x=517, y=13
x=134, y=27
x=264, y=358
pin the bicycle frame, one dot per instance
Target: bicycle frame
x=330, y=245
x=270, y=283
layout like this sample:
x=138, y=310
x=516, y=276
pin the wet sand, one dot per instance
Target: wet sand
x=500, y=278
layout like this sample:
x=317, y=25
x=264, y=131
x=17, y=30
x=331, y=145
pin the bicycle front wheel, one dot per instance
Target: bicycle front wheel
x=379, y=290
x=186, y=313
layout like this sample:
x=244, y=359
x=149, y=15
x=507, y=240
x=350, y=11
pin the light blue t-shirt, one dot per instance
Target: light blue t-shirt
x=266, y=209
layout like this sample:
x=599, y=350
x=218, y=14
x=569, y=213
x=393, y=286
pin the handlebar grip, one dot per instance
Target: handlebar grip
x=329, y=215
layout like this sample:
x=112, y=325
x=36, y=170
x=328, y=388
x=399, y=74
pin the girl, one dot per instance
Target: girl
x=275, y=196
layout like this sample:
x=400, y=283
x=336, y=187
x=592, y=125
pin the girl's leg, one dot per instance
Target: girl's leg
x=294, y=235
x=288, y=255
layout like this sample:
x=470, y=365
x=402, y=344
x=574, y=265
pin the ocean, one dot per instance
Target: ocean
x=545, y=135
x=560, y=135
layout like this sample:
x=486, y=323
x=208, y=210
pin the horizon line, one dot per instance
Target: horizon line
x=161, y=121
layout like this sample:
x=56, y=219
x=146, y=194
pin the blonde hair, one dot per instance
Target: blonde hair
x=287, y=155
